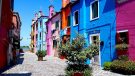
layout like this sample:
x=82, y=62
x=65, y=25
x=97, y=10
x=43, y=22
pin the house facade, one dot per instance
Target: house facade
x=38, y=32
x=6, y=13
x=126, y=26
x=14, y=38
x=34, y=34
x=53, y=38
x=41, y=40
x=65, y=21
x=97, y=22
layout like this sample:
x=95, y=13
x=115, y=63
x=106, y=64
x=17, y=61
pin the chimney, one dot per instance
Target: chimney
x=40, y=14
x=51, y=11
x=36, y=16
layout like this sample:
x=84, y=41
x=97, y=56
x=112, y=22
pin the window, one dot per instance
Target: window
x=57, y=24
x=68, y=21
x=122, y=37
x=122, y=40
x=94, y=10
x=61, y=25
x=40, y=46
x=40, y=35
x=75, y=18
x=0, y=9
x=36, y=26
x=95, y=39
x=54, y=44
x=40, y=23
x=36, y=37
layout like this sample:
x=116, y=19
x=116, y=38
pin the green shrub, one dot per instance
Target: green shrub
x=69, y=72
x=107, y=65
x=122, y=46
x=123, y=57
x=87, y=72
x=40, y=53
x=123, y=67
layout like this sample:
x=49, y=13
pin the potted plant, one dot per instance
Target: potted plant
x=40, y=54
x=63, y=50
x=121, y=48
x=76, y=56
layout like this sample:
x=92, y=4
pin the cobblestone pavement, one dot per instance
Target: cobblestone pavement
x=51, y=66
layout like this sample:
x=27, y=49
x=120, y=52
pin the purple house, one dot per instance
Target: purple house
x=125, y=14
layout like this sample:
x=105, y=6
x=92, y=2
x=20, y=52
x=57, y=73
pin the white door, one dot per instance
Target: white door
x=94, y=39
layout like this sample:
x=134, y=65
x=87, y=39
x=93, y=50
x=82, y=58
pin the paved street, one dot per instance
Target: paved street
x=29, y=66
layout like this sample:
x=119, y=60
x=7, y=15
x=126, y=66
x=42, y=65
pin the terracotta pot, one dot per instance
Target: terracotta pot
x=40, y=58
x=62, y=57
x=78, y=74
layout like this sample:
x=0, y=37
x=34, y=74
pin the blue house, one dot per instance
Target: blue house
x=96, y=20
x=41, y=39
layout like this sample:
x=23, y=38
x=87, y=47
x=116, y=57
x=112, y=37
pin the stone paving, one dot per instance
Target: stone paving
x=51, y=66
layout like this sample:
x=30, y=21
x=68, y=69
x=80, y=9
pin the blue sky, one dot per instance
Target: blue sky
x=27, y=9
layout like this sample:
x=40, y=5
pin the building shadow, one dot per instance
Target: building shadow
x=19, y=60
x=16, y=74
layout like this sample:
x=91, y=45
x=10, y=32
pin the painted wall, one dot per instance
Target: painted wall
x=125, y=21
x=5, y=24
x=75, y=29
x=51, y=23
x=56, y=34
x=49, y=33
x=105, y=25
x=65, y=12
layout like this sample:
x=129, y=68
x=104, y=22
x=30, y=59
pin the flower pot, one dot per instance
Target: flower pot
x=40, y=58
x=78, y=74
x=62, y=57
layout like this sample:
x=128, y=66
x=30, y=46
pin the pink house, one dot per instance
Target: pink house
x=53, y=28
x=125, y=14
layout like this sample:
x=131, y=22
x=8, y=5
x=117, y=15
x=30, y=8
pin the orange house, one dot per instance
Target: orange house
x=65, y=24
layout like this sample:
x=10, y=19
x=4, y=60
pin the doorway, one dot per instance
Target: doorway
x=95, y=40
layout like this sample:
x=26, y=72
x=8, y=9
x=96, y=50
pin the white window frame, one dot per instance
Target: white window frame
x=74, y=18
x=0, y=9
x=122, y=31
x=91, y=10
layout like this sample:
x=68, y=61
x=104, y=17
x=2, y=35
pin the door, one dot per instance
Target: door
x=94, y=39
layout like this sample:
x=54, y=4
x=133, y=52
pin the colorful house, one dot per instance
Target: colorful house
x=38, y=32
x=125, y=22
x=6, y=13
x=96, y=20
x=41, y=42
x=14, y=40
x=65, y=21
x=33, y=34
x=53, y=37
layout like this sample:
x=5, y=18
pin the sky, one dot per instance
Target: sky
x=27, y=10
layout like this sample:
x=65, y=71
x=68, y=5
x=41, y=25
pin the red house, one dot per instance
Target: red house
x=6, y=8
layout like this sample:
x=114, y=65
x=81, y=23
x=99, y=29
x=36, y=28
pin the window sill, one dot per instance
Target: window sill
x=76, y=25
x=94, y=19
